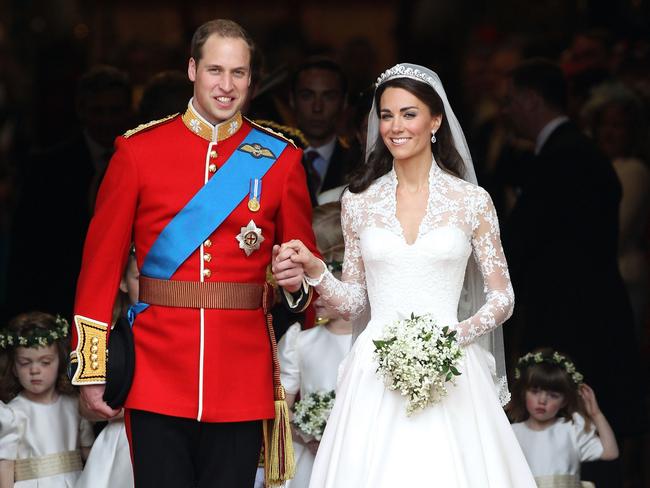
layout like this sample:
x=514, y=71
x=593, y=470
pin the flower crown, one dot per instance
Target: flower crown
x=37, y=337
x=401, y=71
x=533, y=358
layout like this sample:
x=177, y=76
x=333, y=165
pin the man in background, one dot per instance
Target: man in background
x=58, y=196
x=318, y=98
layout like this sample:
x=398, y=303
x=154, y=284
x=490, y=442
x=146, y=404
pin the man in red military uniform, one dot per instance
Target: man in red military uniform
x=203, y=375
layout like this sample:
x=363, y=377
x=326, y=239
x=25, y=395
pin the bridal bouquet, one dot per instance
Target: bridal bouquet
x=417, y=358
x=311, y=412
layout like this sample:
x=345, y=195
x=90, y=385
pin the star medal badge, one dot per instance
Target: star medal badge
x=254, y=194
x=250, y=238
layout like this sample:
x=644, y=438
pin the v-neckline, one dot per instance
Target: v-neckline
x=400, y=227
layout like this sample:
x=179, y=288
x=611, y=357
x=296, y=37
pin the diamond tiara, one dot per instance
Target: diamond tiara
x=401, y=71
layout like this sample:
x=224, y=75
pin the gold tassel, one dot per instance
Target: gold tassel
x=279, y=463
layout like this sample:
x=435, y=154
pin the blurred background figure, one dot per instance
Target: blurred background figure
x=358, y=59
x=561, y=242
x=615, y=118
x=586, y=63
x=57, y=200
x=498, y=151
x=166, y=93
x=318, y=98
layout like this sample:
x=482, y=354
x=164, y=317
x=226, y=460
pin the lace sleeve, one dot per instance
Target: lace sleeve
x=488, y=252
x=347, y=296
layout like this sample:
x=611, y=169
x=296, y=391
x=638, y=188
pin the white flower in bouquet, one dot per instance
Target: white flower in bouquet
x=417, y=357
x=311, y=412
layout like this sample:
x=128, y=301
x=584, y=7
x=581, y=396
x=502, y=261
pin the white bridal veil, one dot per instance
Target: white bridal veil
x=473, y=295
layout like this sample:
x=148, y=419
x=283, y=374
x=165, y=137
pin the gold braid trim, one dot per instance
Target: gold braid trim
x=148, y=125
x=275, y=133
x=91, y=352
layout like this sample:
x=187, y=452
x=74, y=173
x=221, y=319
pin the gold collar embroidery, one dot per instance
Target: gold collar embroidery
x=213, y=133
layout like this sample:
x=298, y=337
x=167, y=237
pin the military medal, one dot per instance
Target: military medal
x=250, y=238
x=254, y=194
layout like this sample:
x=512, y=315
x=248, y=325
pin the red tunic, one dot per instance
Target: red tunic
x=209, y=364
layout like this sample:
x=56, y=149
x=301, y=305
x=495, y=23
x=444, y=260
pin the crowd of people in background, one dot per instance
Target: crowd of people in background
x=575, y=213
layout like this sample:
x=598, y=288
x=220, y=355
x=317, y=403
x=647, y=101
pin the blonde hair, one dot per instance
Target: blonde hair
x=329, y=234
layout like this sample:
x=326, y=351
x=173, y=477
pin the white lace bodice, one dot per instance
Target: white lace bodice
x=397, y=278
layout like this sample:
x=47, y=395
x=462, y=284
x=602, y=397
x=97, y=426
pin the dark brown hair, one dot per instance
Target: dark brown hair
x=322, y=63
x=23, y=324
x=223, y=28
x=380, y=160
x=546, y=376
x=543, y=77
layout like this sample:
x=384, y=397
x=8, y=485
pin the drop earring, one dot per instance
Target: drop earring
x=433, y=138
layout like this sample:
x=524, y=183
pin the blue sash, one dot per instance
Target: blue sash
x=209, y=207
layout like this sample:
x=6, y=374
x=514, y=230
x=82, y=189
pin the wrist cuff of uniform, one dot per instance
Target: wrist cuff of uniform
x=90, y=354
x=301, y=302
x=317, y=281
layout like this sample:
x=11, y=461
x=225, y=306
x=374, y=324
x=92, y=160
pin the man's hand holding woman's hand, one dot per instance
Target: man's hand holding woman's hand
x=291, y=261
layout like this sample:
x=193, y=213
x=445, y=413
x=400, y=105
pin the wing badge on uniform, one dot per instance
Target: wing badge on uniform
x=256, y=150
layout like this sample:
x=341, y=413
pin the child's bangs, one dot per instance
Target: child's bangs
x=548, y=377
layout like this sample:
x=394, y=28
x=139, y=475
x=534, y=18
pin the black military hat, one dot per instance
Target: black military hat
x=121, y=363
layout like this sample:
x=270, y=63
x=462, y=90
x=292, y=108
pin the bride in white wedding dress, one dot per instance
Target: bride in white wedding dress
x=412, y=223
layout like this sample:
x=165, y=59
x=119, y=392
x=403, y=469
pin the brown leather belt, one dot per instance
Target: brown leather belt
x=208, y=294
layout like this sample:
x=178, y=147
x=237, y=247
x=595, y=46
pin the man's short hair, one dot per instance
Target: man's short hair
x=223, y=28
x=165, y=93
x=544, y=78
x=323, y=63
x=101, y=78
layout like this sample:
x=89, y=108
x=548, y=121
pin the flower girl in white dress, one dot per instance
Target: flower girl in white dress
x=309, y=359
x=44, y=440
x=416, y=229
x=109, y=462
x=557, y=420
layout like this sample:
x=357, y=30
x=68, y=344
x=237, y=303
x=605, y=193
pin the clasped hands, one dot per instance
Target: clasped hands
x=291, y=262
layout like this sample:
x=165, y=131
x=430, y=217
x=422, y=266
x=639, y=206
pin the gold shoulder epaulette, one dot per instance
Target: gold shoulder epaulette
x=264, y=125
x=148, y=125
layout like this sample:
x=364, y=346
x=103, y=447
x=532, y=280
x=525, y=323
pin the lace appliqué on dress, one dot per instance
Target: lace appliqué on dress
x=452, y=203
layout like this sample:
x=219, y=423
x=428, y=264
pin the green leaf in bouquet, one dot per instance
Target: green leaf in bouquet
x=379, y=344
x=454, y=371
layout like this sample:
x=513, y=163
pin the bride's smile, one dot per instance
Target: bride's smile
x=406, y=125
